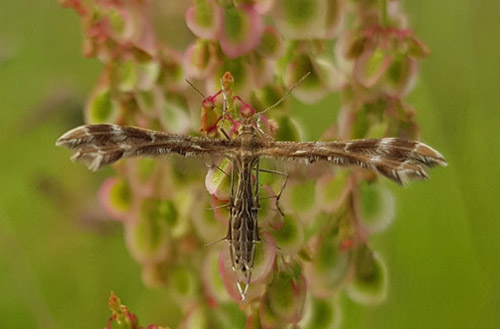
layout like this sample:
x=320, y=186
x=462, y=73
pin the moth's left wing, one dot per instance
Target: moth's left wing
x=398, y=159
x=103, y=144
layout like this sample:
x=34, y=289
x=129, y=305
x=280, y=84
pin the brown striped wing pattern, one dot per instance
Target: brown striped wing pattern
x=398, y=159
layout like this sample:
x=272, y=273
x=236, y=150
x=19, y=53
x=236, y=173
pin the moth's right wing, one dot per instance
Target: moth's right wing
x=397, y=159
x=103, y=144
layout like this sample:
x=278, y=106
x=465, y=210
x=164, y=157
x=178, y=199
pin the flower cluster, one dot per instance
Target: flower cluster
x=123, y=317
x=362, y=50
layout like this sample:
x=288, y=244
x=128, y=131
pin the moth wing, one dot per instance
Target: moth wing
x=104, y=144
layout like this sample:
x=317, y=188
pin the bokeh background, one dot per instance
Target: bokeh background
x=59, y=258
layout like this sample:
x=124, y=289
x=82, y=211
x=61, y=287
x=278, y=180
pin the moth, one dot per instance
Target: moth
x=398, y=159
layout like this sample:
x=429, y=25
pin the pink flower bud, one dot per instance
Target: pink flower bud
x=240, y=30
x=115, y=197
x=200, y=59
x=203, y=19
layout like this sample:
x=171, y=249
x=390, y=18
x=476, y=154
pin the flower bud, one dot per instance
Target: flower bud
x=321, y=314
x=265, y=256
x=313, y=19
x=323, y=76
x=376, y=206
x=148, y=237
x=242, y=86
x=228, y=83
x=213, y=285
x=290, y=237
x=115, y=197
x=218, y=180
x=331, y=190
x=221, y=214
x=289, y=129
x=300, y=197
x=401, y=76
x=271, y=45
x=197, y=318
x=173, y=115
x=240, y=31
x=200, y=59
x=286, y=296
x=210, y=117
x=369, y=285
x=114, y=302
x=329, y=268
x=267, y=96
x=204, y=222
x=143, y=172
x=102, y=108
x=184, y=282
x=371, y=66
x=203, y=19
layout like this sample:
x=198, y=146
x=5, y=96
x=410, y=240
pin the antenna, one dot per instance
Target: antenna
x=224, y=107
x=285, y=95
x=196, y=89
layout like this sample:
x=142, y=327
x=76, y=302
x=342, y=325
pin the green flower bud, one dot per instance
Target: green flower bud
x=286, y=296
x=290, y=237
x=204, y=222
x=174, y=117
x=370, y=282
x=102, y=108
x=148, y=237
x=271, y=45
x=289, y=129
x=184, y=282
x=197, y=319
x=213, y=285
x=115, y=196
x=203, y=19
x=218, y=182
x=307, y=19
x=200, y=58
x=300, y=197
x=329, y=268
x=331, y=190
x=127, y=75
x=321, y=314
x=377, y=206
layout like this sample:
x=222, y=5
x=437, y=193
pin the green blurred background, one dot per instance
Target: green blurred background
x=57, y=266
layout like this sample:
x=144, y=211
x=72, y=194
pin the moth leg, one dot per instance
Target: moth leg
x=227, y=205
x=231, y=193
x=268, y=243
x=215, y=242
x=256, y=194
x=220, y=169
x=282, y=188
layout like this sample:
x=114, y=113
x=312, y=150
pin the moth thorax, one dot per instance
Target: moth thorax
x=246, y=128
